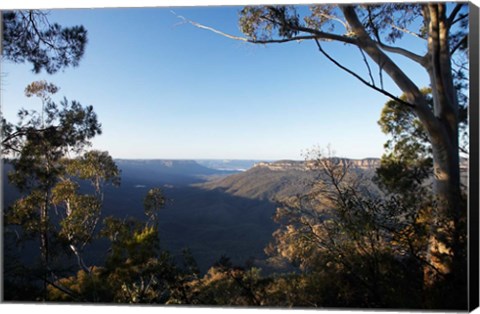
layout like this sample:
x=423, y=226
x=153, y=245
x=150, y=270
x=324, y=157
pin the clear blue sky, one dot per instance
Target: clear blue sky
x=167, y=90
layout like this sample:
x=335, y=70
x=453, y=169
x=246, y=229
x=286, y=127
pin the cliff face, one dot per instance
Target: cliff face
x=282, y=165
x=367, y=163
x=285, y=165
x=276, y=180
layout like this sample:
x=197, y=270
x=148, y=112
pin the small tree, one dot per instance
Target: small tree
x=153, y=202
x=137, y=269
x=347, y=230
x=407, y=166
x=40, y=145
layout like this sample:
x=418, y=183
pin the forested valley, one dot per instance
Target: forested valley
x=81, y=226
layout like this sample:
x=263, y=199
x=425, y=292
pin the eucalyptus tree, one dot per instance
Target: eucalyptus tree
x=375, y=31
x=136, y=269
x=405, y=174
x=48, y=151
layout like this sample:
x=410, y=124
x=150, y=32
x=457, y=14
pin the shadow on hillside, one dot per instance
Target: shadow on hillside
x=211, y=223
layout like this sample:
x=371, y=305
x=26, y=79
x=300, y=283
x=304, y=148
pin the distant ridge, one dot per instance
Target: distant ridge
x=275, y=180
x=166, y=171
x=282, y=165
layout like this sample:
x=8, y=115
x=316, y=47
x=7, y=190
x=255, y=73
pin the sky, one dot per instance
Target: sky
x=163, y=89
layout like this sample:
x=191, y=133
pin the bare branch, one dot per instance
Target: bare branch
x=405, y=83
x=65, y=290
x=327, y=36
x=361, y=79
x=41, y=38
x=406, y=31
x=460, y=18
x=380, y=74
x=368, y=65
x=23, y=132
x=244, y=39
x=334, y=18
x=406, y=53
x=463, y=41
x=319, y=35
x=315, y=34
x=279, y=41
x=210, y=28
x=460, y=67
x=450, y=20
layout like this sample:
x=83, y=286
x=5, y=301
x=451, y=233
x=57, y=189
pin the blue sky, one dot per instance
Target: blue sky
x=167, y=90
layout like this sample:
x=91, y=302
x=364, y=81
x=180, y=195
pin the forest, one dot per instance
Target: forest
x=391, y=238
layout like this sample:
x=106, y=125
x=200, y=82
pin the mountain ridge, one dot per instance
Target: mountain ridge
x=282, y=165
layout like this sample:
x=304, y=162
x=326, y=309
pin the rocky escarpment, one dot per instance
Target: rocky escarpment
x=285, y=165
x=276, y=180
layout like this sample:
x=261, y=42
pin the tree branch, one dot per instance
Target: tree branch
x=40, y=36
x=368, y=66
x=464, y=40
x=406, y=53
x=451, y=18
x=209, y=28
x=459, y=19
x=406, y=31
x=279, y=41
x=334, y=18
x=319, y=34
x=65, y=290
x=23, y=132
x=327, y=36
x=406, y=85
x=380, y=74
x=314, y=34
x=361, y=79
x=371, y=48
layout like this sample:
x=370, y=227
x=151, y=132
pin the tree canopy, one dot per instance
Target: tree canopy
x=376, y=30
x=28, y=36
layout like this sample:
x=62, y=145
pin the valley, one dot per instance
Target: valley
x=214, y=212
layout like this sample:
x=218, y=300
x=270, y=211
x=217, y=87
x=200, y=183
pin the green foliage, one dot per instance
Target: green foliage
x=349, y=243
x=406, y=173
x=82, y=213
x=392, y=19
x=138, y=271
x=29, y=37
x=51, y=209
x=135, y=271
x=407, y=162
x=259, y=23
x=131, y=240
x=85, y=286
x=388, y=20
x=153, y=202
x=95, y=166
x=24, y=212
x=344, y=232
x=41, y=89
x=51, y=133
x=225, y=284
